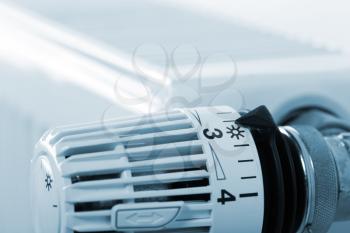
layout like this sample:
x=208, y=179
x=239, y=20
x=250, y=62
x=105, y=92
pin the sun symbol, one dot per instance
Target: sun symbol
x=48, y=182
x=235, y=132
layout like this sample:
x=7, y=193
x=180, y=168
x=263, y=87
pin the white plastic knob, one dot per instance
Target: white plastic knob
x=191, y=170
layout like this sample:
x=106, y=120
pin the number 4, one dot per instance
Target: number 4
x=226, y=197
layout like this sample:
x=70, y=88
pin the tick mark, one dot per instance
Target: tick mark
x=245, y=195
x=248, y=177
x=246, y=161
x=229, y=121
x=242, y=145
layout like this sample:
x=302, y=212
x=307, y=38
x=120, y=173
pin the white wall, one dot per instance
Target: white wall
x=319, y=21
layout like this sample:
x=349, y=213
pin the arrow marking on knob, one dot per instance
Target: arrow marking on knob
x=220, y=174
x=196, y=115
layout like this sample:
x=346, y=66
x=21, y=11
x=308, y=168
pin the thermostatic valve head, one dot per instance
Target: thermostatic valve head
x=190, y=170
x=200, y=170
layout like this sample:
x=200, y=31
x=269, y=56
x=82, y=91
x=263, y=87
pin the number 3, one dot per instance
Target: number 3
x=216, y=134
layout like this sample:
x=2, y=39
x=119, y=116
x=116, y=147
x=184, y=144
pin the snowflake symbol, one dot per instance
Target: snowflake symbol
x=48, y=182
x=235, y=132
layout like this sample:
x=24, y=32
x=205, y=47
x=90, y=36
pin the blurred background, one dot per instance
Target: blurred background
x=64, y=62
